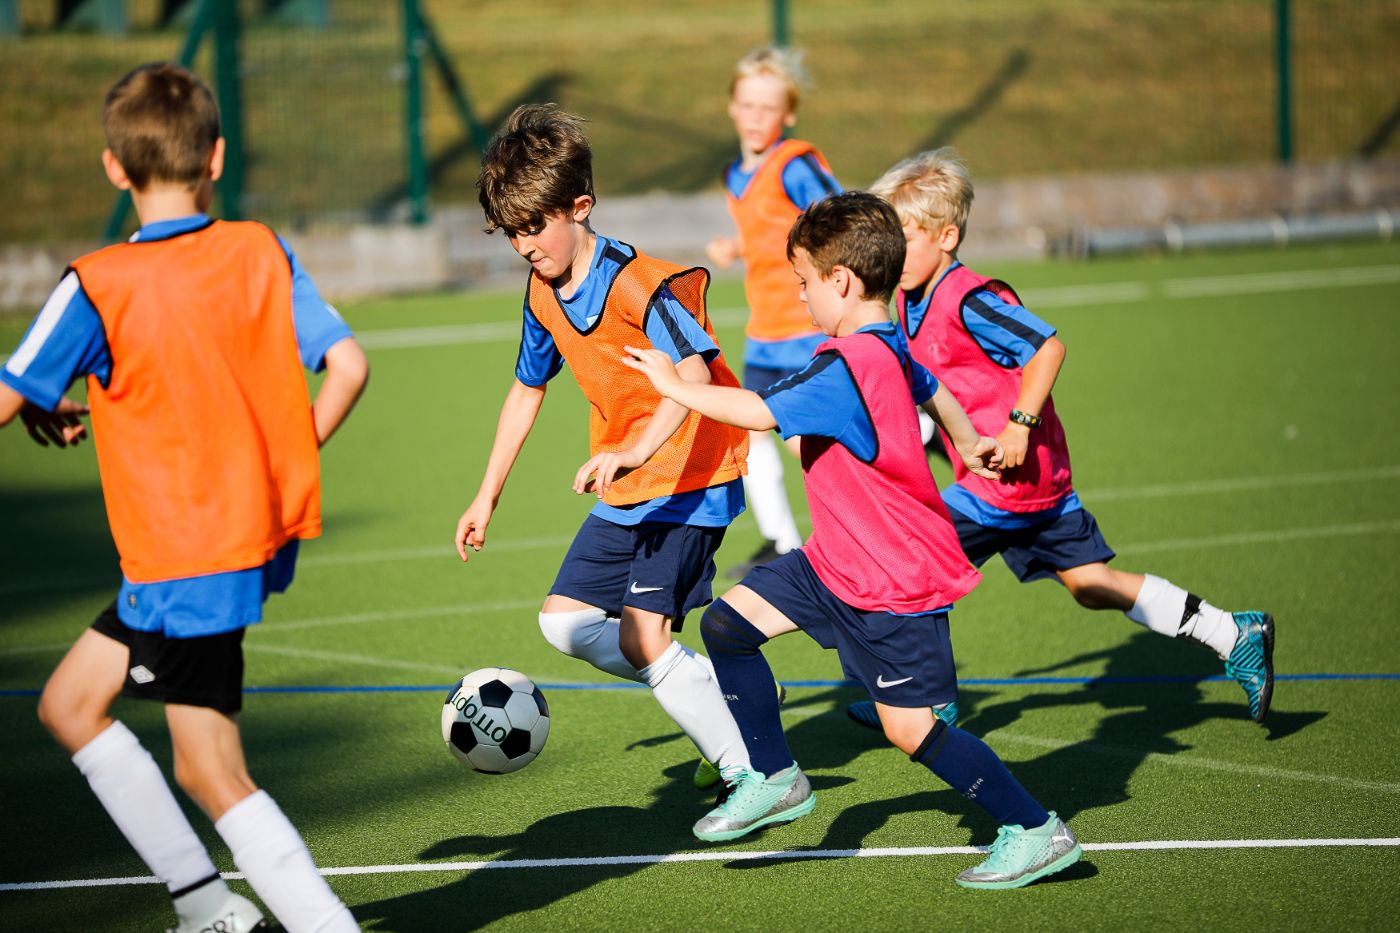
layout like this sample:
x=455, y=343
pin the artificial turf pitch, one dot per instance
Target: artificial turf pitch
x=1232, y=423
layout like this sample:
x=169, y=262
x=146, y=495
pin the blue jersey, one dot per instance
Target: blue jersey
x=822, y=399
x=671, y=329
x=805, y=181
x=67, y=342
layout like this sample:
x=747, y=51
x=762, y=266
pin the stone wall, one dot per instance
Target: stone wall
x=1021, y=218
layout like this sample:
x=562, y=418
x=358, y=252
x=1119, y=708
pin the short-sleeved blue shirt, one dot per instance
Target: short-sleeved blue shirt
x=671, y=329
x=67, y=342
x=822, y=400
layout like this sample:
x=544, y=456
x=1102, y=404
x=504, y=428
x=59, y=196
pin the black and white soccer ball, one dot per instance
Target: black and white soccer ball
x=495, y=720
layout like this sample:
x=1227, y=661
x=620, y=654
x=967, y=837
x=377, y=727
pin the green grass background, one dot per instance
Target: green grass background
x=1021, y=87
x=1166, y=391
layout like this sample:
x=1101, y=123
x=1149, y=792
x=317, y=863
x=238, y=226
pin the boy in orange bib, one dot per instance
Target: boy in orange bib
x=192, y=338
x=667, y=480
x=772, y=181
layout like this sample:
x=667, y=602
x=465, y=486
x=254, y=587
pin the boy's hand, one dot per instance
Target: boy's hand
x=471, y=527
x=656, y=366
x=986, y=458
x=605, y=468
x=62, y=426
x=1014, y=439
x=723, y=251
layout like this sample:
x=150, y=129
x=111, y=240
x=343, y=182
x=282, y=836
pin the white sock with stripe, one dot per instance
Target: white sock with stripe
x=272, y=856
x=135, y=794
x=1162, y=606
x=683, y=683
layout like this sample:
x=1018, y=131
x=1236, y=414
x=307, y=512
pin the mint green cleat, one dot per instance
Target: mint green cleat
x=863, y=712
x=706, y=774
x=750, y=801
x=1251, y=663
x=1020, y=856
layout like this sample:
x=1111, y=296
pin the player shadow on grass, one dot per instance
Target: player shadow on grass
x=485, y=895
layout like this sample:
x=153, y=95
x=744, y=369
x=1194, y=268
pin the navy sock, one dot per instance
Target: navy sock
x=746, y=681
x=972, y=769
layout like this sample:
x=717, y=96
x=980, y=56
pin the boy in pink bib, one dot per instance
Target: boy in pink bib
x=882, y=568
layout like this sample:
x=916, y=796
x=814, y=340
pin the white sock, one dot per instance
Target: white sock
x=1162, y=606
x=691, y=697
x=767, y=496
x=272, y=856
x=135, y=795
x=589, y=634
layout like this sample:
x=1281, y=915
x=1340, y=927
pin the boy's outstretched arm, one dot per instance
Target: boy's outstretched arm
x=981, y=455
x=347, y=371
x=739, y=407
x=518, y=413
x=669, y=415
x=1037, y=379
x=61, y=427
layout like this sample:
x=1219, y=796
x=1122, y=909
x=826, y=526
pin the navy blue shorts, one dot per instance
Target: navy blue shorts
x=900, y=660
x=1036, y=553
x=653, y=566
x=758, y=378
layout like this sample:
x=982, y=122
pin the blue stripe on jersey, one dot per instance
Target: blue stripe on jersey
x=793, y=353
x=711, y=507
x=959, y=499
x=822, y=400
x=1006, y=332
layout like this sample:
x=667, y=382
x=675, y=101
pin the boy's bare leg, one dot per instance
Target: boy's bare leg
x=75, y=708
x=210, y=766
x=1158, y=604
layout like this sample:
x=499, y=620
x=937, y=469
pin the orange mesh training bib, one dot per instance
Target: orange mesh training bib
x=764, y=215
x=702, y=452
x=204, y=434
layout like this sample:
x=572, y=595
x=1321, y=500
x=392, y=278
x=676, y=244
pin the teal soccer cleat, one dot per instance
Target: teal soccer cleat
x=750, y=801
x=1251, y=663
x=864, y=713
x=1020, y=856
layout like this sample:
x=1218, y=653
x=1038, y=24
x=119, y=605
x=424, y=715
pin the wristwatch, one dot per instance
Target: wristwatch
x=1030, y=421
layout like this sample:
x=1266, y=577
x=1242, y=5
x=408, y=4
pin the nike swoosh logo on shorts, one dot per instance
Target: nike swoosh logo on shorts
x=880, y=681
x=645, y=589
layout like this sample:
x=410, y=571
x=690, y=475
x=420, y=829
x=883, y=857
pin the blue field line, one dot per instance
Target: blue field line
x=814, y=684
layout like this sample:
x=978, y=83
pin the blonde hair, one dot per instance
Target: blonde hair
x=782, y=63
x=932, y=189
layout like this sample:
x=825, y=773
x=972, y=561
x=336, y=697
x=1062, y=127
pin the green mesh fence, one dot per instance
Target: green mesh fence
x=1021, y=87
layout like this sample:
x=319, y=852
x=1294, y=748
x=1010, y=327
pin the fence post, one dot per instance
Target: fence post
x=1284, y=78
x=413, y=45
x=230, y=93
x=780, y=23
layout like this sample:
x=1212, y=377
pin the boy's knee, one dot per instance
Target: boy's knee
x=725, y=631
x=572, y=632
x=73, y=719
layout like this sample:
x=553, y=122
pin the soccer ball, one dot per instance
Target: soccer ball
x=495, y=720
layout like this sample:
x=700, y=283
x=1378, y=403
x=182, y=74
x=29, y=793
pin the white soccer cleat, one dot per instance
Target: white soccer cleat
x=235, y=914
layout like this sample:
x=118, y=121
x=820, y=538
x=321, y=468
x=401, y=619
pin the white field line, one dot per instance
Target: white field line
x=340, y=657
x=1237, y=484
x=1191, y=761
x=1060, y=296
x=1261, y=537
x=1151, y=845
